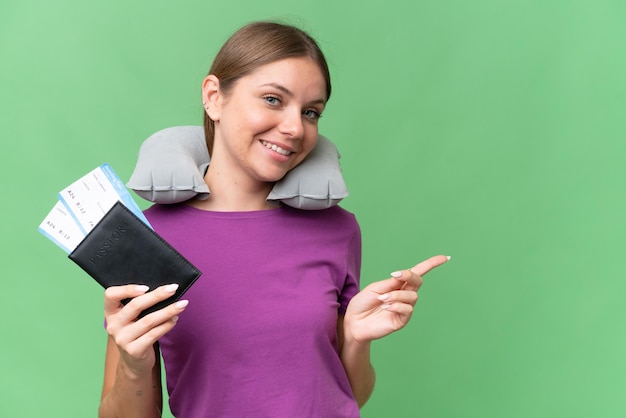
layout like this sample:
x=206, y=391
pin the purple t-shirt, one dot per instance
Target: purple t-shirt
x=258, y=338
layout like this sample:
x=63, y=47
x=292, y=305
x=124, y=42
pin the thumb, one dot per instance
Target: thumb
x=114, y=295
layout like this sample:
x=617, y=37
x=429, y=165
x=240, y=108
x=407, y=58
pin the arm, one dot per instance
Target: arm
x=378, y=310
x=143, y=393
x=132, y=381
x=355, y=357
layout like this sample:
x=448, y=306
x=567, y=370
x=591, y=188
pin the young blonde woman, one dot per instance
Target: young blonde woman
x=276, y=326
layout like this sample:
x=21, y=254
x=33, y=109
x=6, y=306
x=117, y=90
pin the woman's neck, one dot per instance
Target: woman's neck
x=229, y=195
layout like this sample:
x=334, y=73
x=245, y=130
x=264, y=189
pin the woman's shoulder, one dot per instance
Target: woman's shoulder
x=163, y=212
x=333, y=211
x=333, y=217
x=161, y=209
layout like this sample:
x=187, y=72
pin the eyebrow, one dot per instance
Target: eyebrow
x=289, y=92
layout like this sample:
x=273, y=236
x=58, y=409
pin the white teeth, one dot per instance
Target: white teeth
x=275, y=148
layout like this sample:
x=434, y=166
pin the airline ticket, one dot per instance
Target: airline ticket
x=83, y=203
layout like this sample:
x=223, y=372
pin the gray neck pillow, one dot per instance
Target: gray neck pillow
x=172, y=162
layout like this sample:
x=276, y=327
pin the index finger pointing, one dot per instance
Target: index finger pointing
x=429, y=264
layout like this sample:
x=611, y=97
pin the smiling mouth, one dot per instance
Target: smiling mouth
x=276, y=148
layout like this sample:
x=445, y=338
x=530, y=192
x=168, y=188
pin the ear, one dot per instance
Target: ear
x=212, y=97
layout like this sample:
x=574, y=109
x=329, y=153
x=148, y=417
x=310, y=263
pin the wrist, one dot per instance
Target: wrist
x=351, y=339
x=354, y=334
x=130, y=374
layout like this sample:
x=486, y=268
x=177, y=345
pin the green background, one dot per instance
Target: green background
x=492, y=131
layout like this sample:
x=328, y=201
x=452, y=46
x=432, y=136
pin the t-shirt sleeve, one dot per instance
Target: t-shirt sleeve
x=353, y=276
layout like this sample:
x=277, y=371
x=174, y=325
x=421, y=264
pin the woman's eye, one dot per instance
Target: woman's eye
x=272, y=100
x=312, y=114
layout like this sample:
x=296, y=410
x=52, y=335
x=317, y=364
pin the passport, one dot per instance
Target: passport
x=121, y=249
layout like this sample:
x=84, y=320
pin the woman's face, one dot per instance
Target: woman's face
x=267, y=123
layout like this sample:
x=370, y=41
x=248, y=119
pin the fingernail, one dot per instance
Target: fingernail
x=175, y=319
x=396, y=274
x=386, y=306
x=142, y=288
x=383, y=297
x=182, y=303
x=171, y=288
x=448, y=257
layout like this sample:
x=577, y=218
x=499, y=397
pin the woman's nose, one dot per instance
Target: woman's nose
x=291, y=124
